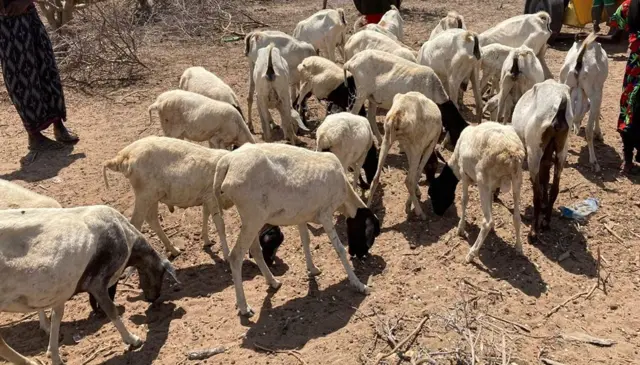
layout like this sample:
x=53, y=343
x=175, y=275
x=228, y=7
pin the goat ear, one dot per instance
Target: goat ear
x=169, y=268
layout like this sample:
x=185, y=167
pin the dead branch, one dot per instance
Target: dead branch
x=557, y=308
x=583, y=337
x=295, y=354
x=95, y=354
x=205, y=354
x=381, y=357
x=21, y=319
x=613, y=233
x=488, y=291
x=516, y=324
x=550, y=362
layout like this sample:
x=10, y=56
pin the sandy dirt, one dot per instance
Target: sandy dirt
x=416, y=267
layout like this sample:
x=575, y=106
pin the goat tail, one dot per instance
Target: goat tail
x=458, y=20
x=345, y=68
x=151, y=108
x=583, y=49
x=116, y=164
x=476, y=45
x=515, y=67
x=271, y=74
x=342, y=17
x=221, y=173
x=247, y=42
x=560, y=122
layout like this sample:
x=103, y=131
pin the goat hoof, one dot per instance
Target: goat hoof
x=364, y=289
x=470, y=257
x=596, y=167
x=248, y=314
x=276, y=285
x=174, y=253
x=420, y=214
x=314, y=272
x=135, y=341
x=207, y=243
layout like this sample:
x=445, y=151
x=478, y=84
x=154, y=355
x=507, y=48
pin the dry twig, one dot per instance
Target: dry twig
x=523, y=327
x=21, y=319
x=295, y=354
x=550, y=362
x=95, y=354
x=583, y=337
x=613, y=233
x=381, y=357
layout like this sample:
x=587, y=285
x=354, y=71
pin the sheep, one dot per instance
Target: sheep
x=493, y=57
x=349, y=137
x=325, y=80
x=185, y=114
x=454, y=56
x=291, y=50
x=416, y=122
x=14, y=196
x=47, y=255
x=490, y=155
x=368, y=39
x=453, y=20
x=271, y=76
x=520, y=71
x=541, y=119
x=391, y=24
x=203, y=82
x=585, y=70
x=173, y=172
x=379, y=76
x=532, y=30
x=325, y=30
x=286, y=185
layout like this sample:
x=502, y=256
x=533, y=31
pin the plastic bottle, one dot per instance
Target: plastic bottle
x=580, y=210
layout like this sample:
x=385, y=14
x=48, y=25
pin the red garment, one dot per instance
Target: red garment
x=373, y=18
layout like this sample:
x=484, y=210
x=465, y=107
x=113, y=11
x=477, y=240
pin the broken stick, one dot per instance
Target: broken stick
x=290, y=353
x=381, y=357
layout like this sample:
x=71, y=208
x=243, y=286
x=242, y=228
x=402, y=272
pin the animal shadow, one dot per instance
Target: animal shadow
x=318, y=314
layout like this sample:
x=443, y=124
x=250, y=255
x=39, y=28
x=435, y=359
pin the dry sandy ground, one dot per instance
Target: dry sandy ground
x=416, y=268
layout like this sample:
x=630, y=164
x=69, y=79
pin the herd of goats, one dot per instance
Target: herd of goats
x=48, y=254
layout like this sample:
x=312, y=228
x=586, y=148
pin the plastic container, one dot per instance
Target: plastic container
x=580, y=210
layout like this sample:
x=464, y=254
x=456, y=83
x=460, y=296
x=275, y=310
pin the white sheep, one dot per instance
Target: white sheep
x=271, y=77
x=391, y=23
x=201, y=81
x=489, y=155
x=291, y=50
x=455, y=56
x=325, y=30
x=453, y=20
x=368, y=39
x=13, y=196
x=287, y=185
x=174, y=172
x=416, y=123
x=377, y=28
x=493, y=57
x=585, y=70
x=541, y=118
x=531, y=30
x=520, y=71
x=379, y=76
x=349, y=137
x=187, y=115
x=47, y=255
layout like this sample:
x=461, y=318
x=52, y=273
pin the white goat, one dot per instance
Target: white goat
x=493, y=57
x=368, y=39
x=325, y=30
x=453, y=20
x=455, y=56
x=520, y=71
x=416, y=122
x=531, y=30
x=47, y=255
x=490, y=155
x=291, y=50
x=541, y=119
x=390, y=23
x=379, y=76
x=184, y=114
x=286, y=185
x=173, y=172
x=585, y=70
x=349, y=137
x=203, y=82
x=271, y=77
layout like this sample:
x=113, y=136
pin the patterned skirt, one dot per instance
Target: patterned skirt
x=630, y=87
x=30, y=72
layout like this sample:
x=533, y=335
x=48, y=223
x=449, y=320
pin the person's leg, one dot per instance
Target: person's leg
x=611, y=7
x=596, y=14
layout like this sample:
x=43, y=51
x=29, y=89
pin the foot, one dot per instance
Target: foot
x=175, y=252
x=248, y=313
x=134, y=341
x=470, y=256
x=314, y=271
x=207, y=243
x=38, y=142
x=596, y=27
x=63, y=135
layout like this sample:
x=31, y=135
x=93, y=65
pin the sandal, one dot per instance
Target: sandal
x=42, y=143
x=64, y=135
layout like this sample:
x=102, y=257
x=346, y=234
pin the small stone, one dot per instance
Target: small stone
x=613, y=307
